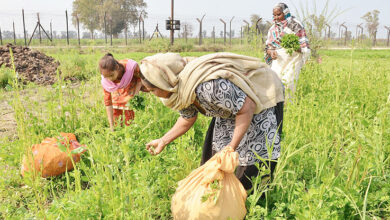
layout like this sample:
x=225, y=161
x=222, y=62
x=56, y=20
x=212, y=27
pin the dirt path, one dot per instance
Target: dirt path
x=7, y=121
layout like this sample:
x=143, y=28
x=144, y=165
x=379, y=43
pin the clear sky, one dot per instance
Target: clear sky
x=188, y=11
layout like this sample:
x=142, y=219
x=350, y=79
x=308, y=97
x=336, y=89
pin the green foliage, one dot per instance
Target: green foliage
x=290, y=42
x=138, y=102
x=7, y=77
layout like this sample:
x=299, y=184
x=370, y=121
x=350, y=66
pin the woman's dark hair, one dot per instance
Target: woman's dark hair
x=146, y=81
x=108, y=62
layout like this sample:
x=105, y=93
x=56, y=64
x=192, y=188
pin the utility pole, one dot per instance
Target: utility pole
x=200, y=28
x=224, y=31
x=172, y=19
x=230, y=31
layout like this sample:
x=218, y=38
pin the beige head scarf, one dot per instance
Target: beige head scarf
x=172, y=73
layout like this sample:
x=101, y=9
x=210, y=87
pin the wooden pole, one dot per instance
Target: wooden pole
x=172, y=26
x=105, y=26
x=67, y=27
x=139, y=28
x=78, y=29
x=24, y=29
x=126, y=34
x=39, y=29
x=143, y=30
x=200, y=29
x=111, y=31
x=388, y=35
x=185, y=32
x=224, y=31
x=13, y=24
x=214, y=33
x=1, y=38
x=51, y=31
x=230, y=31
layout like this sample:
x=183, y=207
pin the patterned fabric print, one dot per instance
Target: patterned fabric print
x=222, y=99
x=279, y=29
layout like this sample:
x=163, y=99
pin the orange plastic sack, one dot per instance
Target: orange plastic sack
x=212, y=191
x=53, y=156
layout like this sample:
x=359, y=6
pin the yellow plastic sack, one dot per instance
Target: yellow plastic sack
x=212, y=191
x=53, y=156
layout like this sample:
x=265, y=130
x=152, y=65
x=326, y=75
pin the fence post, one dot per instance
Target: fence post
x=39, y=29
x=388, y=35
x=67, y=28
x=78, y=29
x=51, y=31
x=105, y=26
x=139, y=28
x=224, y=31
x=185, y=32
x=111, y=31
x=1, y=38
x=230, y=31
x=214, y=33
x=13, y=25
x=24, y=29
x=126, y=34
x=241, y=35
x=200, y=28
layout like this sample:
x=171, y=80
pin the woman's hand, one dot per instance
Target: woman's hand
x=182, y=126
x=273, y=54
x=156, y=146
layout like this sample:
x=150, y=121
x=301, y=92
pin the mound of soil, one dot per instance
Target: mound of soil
x=31, y=65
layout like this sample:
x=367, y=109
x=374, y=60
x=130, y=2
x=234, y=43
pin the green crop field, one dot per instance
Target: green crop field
x=335, y=161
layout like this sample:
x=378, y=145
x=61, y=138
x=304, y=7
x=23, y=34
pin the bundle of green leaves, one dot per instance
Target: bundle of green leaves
x=290, y=42
x=138, y=102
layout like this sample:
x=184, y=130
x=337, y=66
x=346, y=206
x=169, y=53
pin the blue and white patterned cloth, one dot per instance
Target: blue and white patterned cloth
x=222, y=99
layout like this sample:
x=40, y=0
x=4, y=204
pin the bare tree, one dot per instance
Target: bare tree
x=372, y=23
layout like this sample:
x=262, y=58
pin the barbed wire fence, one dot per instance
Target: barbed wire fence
x=56, y=29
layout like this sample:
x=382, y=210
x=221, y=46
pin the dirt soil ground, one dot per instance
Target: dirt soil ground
x=31, y=65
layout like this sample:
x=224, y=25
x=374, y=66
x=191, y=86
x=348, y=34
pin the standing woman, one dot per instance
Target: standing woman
x=284, y=23
x=239, y=91
x=121, y=82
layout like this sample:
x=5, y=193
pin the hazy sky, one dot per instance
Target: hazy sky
x=188, y=11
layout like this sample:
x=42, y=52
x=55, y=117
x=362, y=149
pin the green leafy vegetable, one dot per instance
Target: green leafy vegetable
x=291, y=43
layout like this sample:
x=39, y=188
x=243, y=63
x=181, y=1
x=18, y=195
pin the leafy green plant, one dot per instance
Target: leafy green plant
x=290, y=42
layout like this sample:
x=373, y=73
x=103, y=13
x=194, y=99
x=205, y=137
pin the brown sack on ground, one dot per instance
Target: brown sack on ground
x=212, y=191
x=53, y=156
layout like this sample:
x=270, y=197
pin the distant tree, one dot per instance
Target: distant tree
x=204, y=33
x=122, y=13
x=189, y=27
x=88, y=14
x=119, y=13
x=221, y=34
x=372, y=22
x=86, y=35
x=7, y=34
